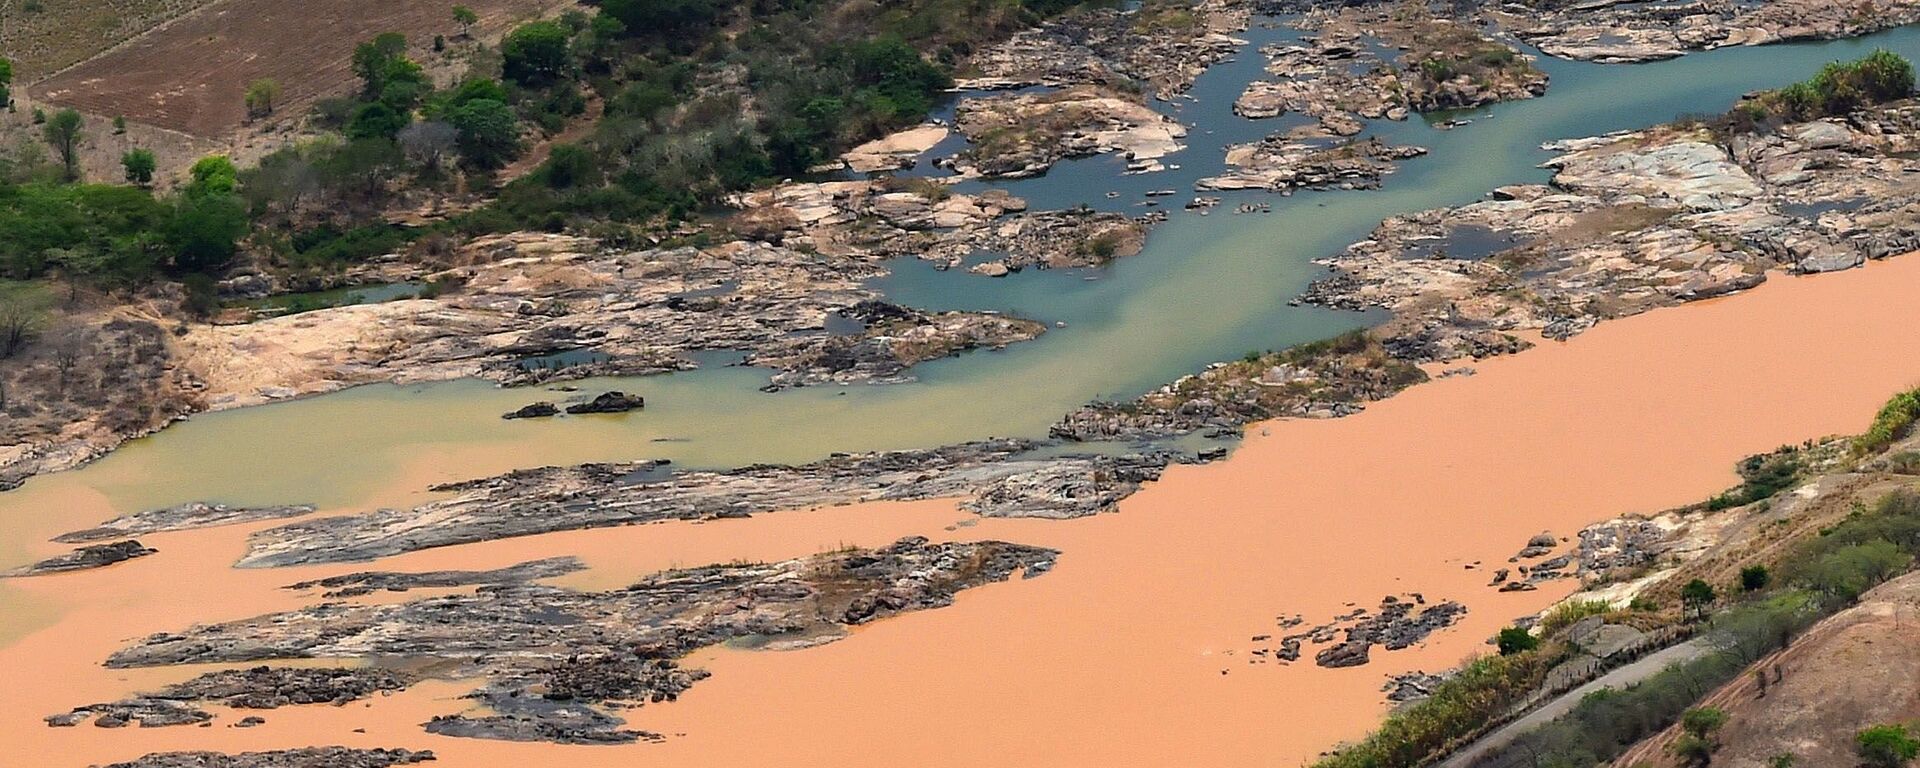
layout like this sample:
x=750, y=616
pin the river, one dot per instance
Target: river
x=1206, y=288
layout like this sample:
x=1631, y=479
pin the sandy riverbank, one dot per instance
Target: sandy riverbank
x=1117, y=657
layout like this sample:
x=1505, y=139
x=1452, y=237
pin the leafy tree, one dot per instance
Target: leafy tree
x=466, y=18
x=1697, y=595
x=376, y=120
x=202, y=297
x=536, y=54
x=62, y=132
x=139, y=164
x=6, y=83
x=261, y=94
x=372, y=60
x=662, y=19
x=213, y=176
x=1512, y=640
x=489, y=132
x=1754, y=578
x=1697, y=745
x=1886, y=746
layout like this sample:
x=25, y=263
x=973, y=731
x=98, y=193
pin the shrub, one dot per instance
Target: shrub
x=1886, y=746
x=1754, y=578
x=1890, y=423
x=1513, y=640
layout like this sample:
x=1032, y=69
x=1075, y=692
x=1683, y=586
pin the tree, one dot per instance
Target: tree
x=1514, y=640
x=261, y=94
x=376, y=120
x=1754, y=578
x=489, y=132
x=535, y=53
x=427, y=144
x=372, y=59
x=19, y=324
x=119, y=125
x=1697, y=595
x=6, y=83
x=466, y=18
x=62, y=132
x=213, y=175
x=78, y=265
x=1698, y=742
x=1886, y=746
x=139, y=164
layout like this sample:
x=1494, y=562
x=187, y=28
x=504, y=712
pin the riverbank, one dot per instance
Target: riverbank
x=1544, y=439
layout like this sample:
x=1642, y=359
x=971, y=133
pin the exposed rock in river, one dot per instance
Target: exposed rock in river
x=256, y=688
x=578, y=651
x=364, y=582
x=1280, y=163
x=179, y=518
x=546, y=306
x=997, y=478
x=307, y=757
x=85, y=558
x=1025, y=134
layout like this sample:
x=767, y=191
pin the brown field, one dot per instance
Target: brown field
x=43, y=36
x=190, y=75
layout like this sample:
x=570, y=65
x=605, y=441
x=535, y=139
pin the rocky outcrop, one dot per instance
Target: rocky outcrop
x=1633, y=222
x=307, y=757
x=609, y=402
x=257, y=688
x=79, y=388
x=995, y=478
x=547, y=306
x=1023, y=135
x=1348, y=639
x=1279, y=163
x=367, y=582
x=1165, y=45
x=555, y=657
x=1340, y=72
x=1611, y=31
x=891, y=338
x=539, y=410
x=84, y=558
x=180, y=518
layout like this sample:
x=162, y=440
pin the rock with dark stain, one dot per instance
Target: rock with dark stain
x=85, y=558
x=305, y=757
x=537, y=410
x=609, y=402
x=179, y=518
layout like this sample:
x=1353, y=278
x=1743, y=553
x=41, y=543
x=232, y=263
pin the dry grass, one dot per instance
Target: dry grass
x=43, y=36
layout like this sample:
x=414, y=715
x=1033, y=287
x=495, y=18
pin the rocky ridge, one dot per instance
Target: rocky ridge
x=1001, y=478
x=582, y=653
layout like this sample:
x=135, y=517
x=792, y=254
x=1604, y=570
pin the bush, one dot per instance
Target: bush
x=1514, y=640
x=1839, y=88
x=535, y=54
x=139, y=166
x=1754, y=578
x=1886, y=746
x=1890, y=423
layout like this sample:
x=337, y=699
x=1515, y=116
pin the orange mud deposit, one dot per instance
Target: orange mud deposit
x=1135, y=649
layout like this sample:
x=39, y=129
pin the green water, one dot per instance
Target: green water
x=1206, y=288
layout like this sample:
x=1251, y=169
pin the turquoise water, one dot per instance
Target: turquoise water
x=1206, y=288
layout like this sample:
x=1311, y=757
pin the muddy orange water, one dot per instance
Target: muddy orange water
x=1134, y=651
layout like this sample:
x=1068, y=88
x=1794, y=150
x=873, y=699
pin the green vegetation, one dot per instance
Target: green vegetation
x=139, y=165
x=62, y=133
x=1513, y=640
x=1886, y=746
x=1566, y=614
x=1890, y=423
x=1699, y=738
x=1414, y=735
x=1754, y=578
x=260, y=97
x=1697, y=595
x=1837, y=89
x=1763, y=476
x=1606, y=722
x=6, y=83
